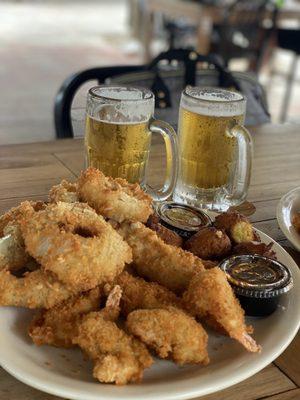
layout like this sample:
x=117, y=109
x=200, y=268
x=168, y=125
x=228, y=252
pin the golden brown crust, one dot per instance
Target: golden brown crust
x=210, y=297
x=118, y=357
x=171, y=333
x=139, y=294
x=236, y=225
x=296, y=222
x=59, y=325
x=37, y=289
x=114, y=198
x=157, y=261
x=76, y=244
x=167, y=235
x=65, y=191
x=209, y=243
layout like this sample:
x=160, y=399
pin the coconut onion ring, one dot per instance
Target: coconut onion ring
x=13, y=255
x=76, y=244
x=114, y=198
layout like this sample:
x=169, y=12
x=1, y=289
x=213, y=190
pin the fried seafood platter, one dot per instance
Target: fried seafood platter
x=103, y=279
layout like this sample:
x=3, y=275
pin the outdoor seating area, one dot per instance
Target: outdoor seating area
x=150, y=202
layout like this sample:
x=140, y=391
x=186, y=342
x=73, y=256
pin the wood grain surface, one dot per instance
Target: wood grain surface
x=28, y=171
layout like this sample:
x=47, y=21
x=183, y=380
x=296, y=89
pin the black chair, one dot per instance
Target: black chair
x=66, y=93
x=289, y=39
x=241, y=34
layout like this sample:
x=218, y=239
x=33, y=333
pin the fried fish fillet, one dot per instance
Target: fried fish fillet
x=157, y=261
x=114, y=198
x=59, y=325
x=171, y=333
x=118, y=357
x=139, y=294
x=76, y=244
x=65, y=191
x=210, y=297
x=37, y=289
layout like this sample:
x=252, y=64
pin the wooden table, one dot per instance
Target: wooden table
x=29, y=170
x=202, y=15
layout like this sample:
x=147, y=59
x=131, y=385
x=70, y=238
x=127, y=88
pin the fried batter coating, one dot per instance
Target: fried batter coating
x=76, y=244
x=255, y=248
x=114, y=198
x=157, y=261
x=296, y=221
x=236, y=225
x=37, y=289
x=209, y=243
x=139, y=294
x=65, y=191
x=167, y=235
x=59, y=325
x=13, y=255
x=210, y=297
x=171, y=333
x=118, y=357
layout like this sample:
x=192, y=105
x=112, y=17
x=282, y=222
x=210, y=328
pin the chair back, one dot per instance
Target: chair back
x=69, y=88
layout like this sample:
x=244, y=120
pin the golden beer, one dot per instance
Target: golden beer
x=118, y=149
x=215, y=150
x=207, y=149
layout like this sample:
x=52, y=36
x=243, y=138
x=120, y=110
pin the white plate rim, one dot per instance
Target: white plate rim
x=27, y=378
x=281, y=222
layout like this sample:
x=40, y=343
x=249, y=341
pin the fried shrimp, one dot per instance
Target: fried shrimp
x=37, y=289
x=211, y=297
x=157, y=261
x=139, y=294
x=59, y=325
x=65, y=191
x=118, y=357
x=114, y=198
x=171, y=333
x=76, y=244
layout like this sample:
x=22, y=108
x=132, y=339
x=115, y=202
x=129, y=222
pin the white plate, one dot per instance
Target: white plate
x=288, y=205
x=65, y=373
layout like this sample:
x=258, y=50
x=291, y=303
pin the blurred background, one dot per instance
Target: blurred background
x=44, y=42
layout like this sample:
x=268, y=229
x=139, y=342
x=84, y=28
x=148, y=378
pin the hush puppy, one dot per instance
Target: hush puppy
x=236, y=225
x=209, y=243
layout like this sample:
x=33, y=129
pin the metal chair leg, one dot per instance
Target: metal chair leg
x=288, y=90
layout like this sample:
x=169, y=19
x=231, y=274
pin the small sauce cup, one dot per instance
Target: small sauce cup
x=257, y=281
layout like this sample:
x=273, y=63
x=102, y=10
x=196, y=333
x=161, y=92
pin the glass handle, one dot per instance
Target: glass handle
x=170, y=138
x=242, y=177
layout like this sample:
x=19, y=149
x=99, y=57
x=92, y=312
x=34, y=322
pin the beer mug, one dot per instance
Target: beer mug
x=119, y=124
x=215, y=150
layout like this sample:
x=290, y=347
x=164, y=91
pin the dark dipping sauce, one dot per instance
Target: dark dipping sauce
x=182, y=219
x=257, y=281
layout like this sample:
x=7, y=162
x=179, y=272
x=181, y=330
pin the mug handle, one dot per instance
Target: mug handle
x=170, y=139
x=242, y=177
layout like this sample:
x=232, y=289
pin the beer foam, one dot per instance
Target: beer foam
x=213, y=102
x=122, y=105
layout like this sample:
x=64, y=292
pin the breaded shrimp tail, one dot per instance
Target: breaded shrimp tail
x=171, y=333
x=114, y=198
x=210, y=296
x=118, y=357
x=157, y=261
x=37, y=289
x=139, y=294
x=59, y=325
